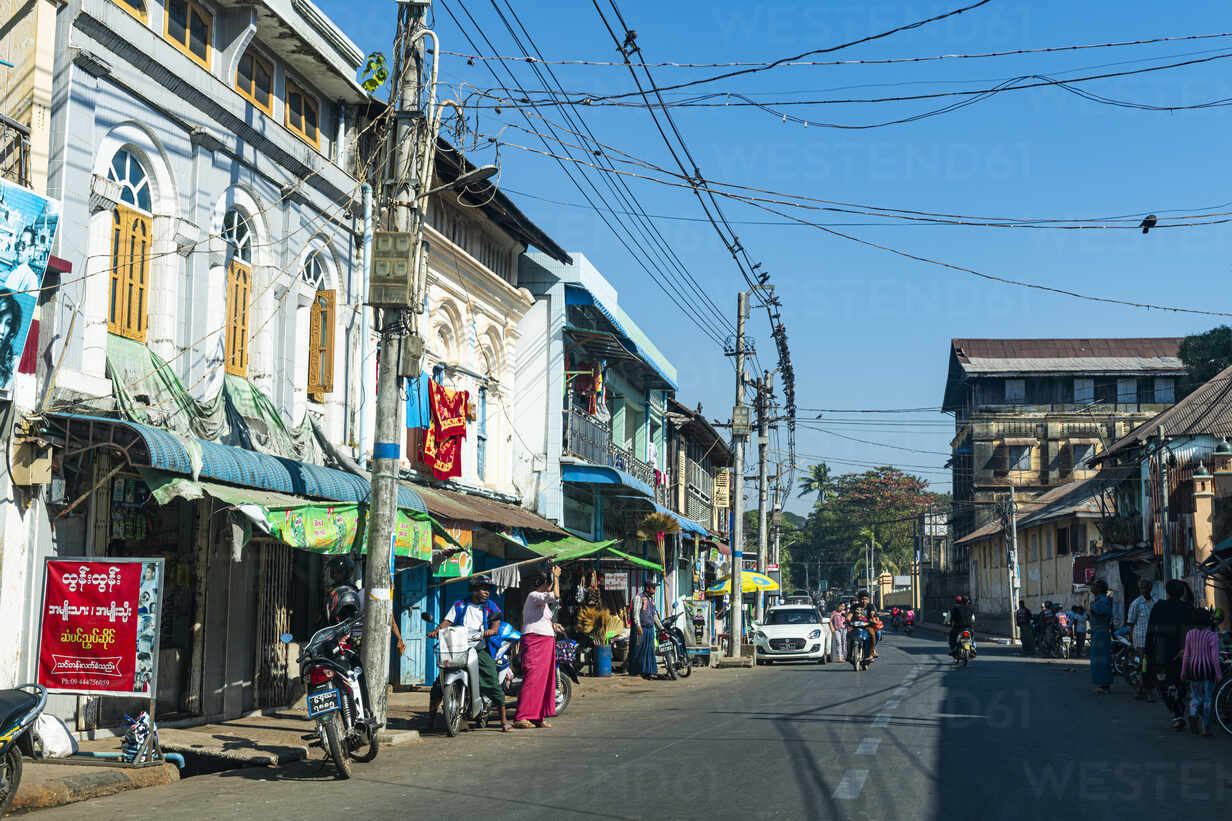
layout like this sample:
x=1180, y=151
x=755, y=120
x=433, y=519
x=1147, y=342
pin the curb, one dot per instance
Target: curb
x=400, y=737
x=80, y=783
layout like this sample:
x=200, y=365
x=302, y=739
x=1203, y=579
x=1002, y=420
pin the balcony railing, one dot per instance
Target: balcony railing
x=591, y=439
x=14, y=152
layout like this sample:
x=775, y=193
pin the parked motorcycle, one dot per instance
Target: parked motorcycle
x=675, y=634
x=964, y=648
x=665, y=649
x=19, y=709
x=859, y=644
x=509, y=665
x=338, y=695
x=1126, y=661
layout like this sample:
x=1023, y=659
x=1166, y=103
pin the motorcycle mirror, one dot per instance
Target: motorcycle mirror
x=286, y=638
x=427, y=618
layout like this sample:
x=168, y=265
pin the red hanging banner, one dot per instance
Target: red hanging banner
x=99, y=626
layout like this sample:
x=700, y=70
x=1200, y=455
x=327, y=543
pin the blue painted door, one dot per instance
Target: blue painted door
x=412, y=597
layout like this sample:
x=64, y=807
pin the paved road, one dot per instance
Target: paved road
x=1007, y=738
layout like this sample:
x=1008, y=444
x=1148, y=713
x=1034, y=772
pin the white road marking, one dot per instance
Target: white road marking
x=850, y=785
x=868, y=746
x=881, y=720
x=901, y=691
x=891, y=704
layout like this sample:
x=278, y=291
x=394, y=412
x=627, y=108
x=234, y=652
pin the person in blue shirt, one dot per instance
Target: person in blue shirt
x=476, y=613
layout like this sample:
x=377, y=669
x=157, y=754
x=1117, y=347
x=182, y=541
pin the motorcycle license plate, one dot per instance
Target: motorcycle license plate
x=325, y=701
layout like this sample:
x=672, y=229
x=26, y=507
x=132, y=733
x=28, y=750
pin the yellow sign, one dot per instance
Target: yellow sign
x=457, y=564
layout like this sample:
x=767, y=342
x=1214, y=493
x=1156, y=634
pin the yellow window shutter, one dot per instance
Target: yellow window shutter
x=327, y=300
x=315, y=388
x=236, y=343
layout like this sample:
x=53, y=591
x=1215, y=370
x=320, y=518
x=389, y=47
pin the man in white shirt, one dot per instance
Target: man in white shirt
x=21, y=279
x=1138, y=617
x=480, y=614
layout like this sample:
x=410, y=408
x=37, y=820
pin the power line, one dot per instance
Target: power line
x=775, y=63
x=628, y=242
x=656, y=235
x=882, y=61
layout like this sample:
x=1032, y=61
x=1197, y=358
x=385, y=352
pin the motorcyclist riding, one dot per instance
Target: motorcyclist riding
x=862, y=609
x=962, y=617
x=480, y=614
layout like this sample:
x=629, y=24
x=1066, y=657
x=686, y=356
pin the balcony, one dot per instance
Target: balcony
x=14, y=152
x=591, y=439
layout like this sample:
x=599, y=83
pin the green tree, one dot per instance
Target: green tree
x=1205, y=355
x=817, y=481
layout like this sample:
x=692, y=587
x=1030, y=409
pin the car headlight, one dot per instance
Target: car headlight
x=816, y=634
x=760, y=636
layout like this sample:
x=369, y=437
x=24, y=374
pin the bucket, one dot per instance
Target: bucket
x=603, y=660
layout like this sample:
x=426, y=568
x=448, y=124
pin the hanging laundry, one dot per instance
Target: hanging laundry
x=442, y=445
x=418, y=402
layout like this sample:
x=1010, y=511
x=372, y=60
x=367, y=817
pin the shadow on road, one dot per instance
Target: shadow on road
x=1023, y=738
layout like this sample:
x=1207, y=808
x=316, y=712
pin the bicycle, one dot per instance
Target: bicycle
x=1223, y=696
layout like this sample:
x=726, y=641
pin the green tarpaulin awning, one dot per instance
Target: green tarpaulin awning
x=640, y=562
x=574, y=547
x=307, y=524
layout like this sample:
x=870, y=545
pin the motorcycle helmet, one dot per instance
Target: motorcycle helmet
x=344, y=603
x=340, y=570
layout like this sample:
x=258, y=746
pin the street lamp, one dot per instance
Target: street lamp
x=475, y=175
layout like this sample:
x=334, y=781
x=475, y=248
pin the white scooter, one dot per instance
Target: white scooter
x=457, y=657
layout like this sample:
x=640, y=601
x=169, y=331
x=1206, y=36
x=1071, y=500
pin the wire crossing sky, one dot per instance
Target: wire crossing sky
x=870, y=329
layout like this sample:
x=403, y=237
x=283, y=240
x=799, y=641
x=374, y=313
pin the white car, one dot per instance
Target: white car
x=793, y=632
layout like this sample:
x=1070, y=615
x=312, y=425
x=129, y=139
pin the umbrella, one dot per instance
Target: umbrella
x=750, y=582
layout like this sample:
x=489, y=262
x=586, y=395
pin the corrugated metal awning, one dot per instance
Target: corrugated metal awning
x=150, y=447
x=452, y=504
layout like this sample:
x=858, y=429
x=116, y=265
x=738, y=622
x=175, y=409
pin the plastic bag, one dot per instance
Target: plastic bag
x=54, y=738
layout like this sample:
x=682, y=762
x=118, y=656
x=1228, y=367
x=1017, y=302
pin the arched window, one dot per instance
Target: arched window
x=238, y=236
x=131, y=228
x=320, y=328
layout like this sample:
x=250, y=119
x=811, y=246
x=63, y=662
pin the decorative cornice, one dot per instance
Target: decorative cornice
x=90, y=62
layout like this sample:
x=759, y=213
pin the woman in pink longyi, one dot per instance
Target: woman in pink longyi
x=537, y=699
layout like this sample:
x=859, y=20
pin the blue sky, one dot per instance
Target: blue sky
x=869, y=329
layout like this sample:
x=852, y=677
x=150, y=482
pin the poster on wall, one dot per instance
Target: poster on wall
x=27, y=228
x=99, y=626
x=457, y=564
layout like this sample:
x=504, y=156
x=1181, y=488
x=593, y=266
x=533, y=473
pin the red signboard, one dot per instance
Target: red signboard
x=99, y=626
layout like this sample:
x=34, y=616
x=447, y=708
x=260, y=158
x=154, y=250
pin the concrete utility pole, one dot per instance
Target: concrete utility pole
x=739, y=432
x=402, y=197
x=1012, y=560
x=1163, y=505
x=763, y=489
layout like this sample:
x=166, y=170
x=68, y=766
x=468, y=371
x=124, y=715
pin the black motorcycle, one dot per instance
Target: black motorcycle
x=338, y=695
x=672, y=632
x=19, y=709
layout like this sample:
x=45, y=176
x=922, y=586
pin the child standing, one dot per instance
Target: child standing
x=1200, y=667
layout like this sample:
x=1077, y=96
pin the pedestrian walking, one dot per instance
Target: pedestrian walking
x=642, y=661
x=1078, y=617
x=1170, y=621
x=1138, y=618
x=537, y=699
x=838, y=625
x=1201, y=670
x=1026, y=628
x=1101, y=638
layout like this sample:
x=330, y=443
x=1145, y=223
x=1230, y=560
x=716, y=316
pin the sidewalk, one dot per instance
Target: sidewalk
x=272, y=739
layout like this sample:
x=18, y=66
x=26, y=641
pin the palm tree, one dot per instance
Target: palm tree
x=817, y=481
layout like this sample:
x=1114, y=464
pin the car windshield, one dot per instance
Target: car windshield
x=794, y=615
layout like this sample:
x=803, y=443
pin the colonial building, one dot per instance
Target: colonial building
x=700, y=462
x=1035, y=413
x=592, y=407
x=204, y=346
x=1173, y=517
